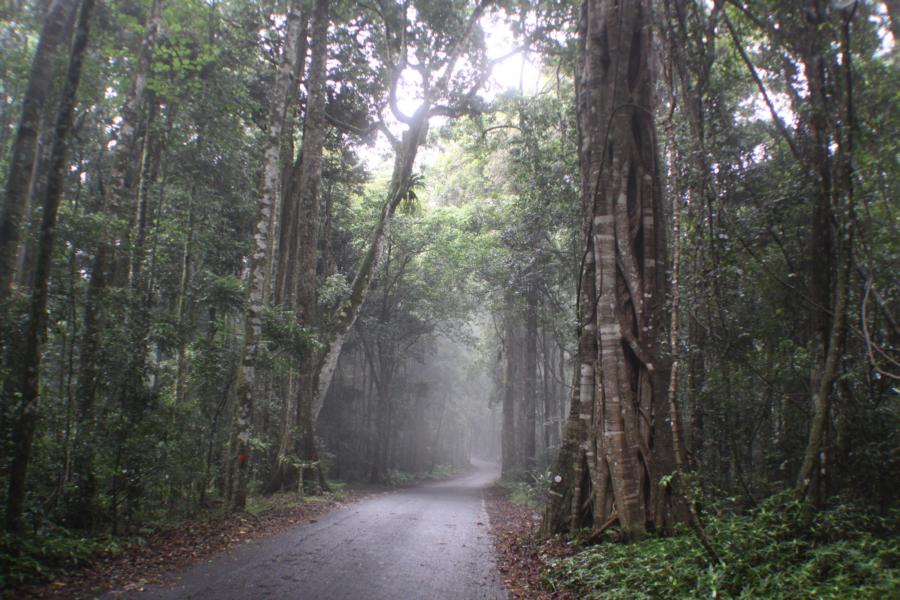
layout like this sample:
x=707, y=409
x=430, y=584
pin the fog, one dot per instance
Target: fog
x=396, y=411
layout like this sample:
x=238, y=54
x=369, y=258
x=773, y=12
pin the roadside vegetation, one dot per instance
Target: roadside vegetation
x=780, y=550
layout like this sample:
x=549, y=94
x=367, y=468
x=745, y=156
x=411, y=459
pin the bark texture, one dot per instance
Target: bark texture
x=271, y=188
x=54, y=33
x=616, y=475
x=298, y=260
x=36, y=325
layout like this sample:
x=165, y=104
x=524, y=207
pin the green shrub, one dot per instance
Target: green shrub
x=782, y=550
x=441, y=471
x=40, y=557
x=398, y=477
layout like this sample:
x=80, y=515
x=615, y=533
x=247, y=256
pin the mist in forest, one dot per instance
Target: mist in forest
x=440, y=410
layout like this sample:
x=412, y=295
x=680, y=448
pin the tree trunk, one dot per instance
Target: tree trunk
x=307, y=244
x=300, y=285
x=619, y=391
x=55, y=31
x=36, y=325
x=549, y=396
x=347, y=312
x=286, y=253
x=271, y=188
x=829, y=329
x=82, y=506
x=530, y=396
x=187, y=260
x=515, y=447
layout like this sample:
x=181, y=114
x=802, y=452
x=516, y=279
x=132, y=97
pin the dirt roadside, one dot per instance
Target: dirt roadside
x=521, y=554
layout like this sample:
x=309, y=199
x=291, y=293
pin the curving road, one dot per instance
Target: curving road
x=430, y=542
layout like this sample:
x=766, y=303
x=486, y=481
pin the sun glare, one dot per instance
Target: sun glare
x=519, y=71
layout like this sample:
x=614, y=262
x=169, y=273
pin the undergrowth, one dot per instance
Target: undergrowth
x=529, y=490
x=283, y=501
x=782, y=550
x=396, y=477
x=47, y=553
x=54, y=551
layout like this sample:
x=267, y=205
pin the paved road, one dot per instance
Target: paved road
x=430, y=542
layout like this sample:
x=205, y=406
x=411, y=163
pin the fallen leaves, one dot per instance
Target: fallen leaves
x=178, y=547
x=521, y=554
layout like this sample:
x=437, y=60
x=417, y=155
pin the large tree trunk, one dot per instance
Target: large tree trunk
x=307, y=243
x=271, y=188
x=297, y=260
x=619, y=391
x=286, y=251
x=36, y=325
x=54, y=32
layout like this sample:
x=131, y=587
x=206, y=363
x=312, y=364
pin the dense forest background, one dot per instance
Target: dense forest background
x=257, y=246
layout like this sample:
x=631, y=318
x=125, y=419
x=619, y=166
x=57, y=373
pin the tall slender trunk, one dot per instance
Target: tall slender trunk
x=55, y=31
x=530, y=396
x=82, y=506
x=181, y=304
x=548, y=388
x=307, y=244
x=329, y=265
x=838, y=200
x=512, y=449
x=36, y=326
x=678, y=446
x=271, y=187
x=286, y=254
x=348, y=310
x=822, y=255
x=300, y=286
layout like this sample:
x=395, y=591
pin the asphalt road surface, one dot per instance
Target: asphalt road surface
x=431, y=542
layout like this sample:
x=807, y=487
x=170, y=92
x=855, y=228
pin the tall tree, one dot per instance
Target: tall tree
x=116, y=196
x=36, y=324
x=268, y=200
x=55, y=32
x=455, y=39
x=619, y=392
x=298, y=273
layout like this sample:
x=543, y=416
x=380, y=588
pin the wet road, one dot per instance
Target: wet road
x=430, y=542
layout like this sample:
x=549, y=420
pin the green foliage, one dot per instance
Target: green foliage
x=441, y=472
x=281, y=330
x=398, y=477
x=286, y=501
x=224, y=292
x=334, y=288
x=531, y=493
x=782, y=550
x=40, y=557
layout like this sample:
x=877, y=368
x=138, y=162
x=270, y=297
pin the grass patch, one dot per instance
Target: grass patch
x=782, y=550
x=285, y=501
x=440, y=472
x=523, y=494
